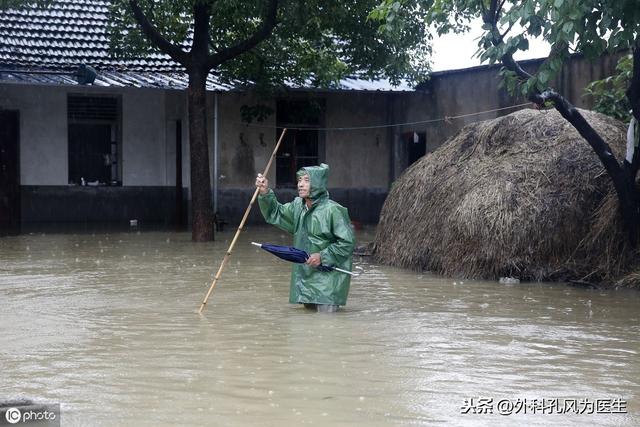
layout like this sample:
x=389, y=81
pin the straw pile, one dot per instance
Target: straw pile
x=519, y=196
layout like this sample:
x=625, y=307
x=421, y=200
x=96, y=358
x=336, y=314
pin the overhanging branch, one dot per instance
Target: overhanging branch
x=156, y=38
x=623, y=183
x=269, y=22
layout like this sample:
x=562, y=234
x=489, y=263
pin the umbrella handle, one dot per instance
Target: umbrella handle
x=351, y=273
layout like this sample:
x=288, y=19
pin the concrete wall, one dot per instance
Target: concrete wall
x=244, y=150
x=358, y=158
x=147, y=155
x=363, y=162
x=143, y=134
x=43, y=132
x=469, y=91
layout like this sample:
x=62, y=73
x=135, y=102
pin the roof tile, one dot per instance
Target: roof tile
x=67, y=33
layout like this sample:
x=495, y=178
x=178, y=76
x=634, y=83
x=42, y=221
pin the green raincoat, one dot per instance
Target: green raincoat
x=324, y=228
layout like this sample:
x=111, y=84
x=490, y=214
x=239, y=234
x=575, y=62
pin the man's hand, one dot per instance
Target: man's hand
x=262, y=183
x=314, y=260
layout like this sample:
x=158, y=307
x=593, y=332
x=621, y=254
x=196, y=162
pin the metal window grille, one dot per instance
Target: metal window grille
x=92, y=108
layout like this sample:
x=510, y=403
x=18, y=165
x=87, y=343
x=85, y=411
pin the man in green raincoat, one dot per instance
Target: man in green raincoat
x=319, y=226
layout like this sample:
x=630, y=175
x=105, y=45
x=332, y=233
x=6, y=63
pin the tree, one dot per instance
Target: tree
x=609, y=94
x=263, y=43
x=590, y=27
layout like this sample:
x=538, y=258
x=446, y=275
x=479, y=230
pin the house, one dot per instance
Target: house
x=117, y=149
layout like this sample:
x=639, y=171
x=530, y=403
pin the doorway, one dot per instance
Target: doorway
x=417, y=145
x=9, y=173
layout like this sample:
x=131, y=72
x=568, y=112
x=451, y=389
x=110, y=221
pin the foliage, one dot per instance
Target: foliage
x=258, y=112
x=590, y=27
x=609, y=93
x=316, y=42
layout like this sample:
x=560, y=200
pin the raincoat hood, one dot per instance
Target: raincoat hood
x=318, y=178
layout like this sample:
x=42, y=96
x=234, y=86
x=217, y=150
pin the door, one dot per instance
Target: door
x=9, y=173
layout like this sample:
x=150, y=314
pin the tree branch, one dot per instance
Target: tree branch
x=156, y=38
x=573, y=116
x=499, y=8
x=507, y=30
x=507, y=60
x=484, y=9
x=511, y=64
x=269, y=22
x=623, y=184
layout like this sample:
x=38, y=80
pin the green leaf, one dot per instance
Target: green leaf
x=523, y=44
x=543, y=77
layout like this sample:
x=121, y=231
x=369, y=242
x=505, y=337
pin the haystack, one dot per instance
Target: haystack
x=522, y=195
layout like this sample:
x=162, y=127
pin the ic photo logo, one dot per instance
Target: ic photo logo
x=13, y=415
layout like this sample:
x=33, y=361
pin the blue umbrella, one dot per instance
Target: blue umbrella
x=289, y=253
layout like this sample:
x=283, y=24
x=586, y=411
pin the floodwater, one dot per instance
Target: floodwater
x=106, y=324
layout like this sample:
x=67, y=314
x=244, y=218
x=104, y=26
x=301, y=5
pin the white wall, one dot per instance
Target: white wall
x=357, y=158
x=43, y=132
x=143, y=137
x=239, y=162
x=145, y=121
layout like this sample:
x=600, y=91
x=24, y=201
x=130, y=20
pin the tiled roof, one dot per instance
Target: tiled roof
x=68, y=33
x=64, y=34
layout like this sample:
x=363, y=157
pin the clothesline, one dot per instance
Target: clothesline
x=420, y=122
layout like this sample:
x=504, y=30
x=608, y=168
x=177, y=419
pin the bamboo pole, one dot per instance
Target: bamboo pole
x=225, y=260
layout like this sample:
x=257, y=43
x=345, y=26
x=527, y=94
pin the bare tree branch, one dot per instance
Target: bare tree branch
x=156, y=38
x=268, y=23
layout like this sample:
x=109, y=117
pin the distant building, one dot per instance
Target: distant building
x=125, y=137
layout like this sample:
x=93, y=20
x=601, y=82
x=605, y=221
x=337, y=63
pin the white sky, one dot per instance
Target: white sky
x=454, y=51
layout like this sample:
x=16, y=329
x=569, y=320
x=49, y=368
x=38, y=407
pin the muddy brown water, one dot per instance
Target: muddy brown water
x=106, y=324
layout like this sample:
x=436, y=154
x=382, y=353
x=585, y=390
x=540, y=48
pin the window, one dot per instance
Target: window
x=300, y=147
x=94, y=149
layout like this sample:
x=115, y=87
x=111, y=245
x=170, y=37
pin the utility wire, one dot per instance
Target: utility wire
x=421, y=122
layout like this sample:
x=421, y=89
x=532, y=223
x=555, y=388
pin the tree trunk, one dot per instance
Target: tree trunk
x=623, y=181
x=201, y=209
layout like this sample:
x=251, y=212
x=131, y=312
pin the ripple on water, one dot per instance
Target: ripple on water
x=106, y=324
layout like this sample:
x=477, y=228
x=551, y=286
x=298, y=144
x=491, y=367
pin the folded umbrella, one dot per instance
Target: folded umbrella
x=289, y=253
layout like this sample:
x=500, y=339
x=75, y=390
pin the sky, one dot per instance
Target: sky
x=454, y=51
